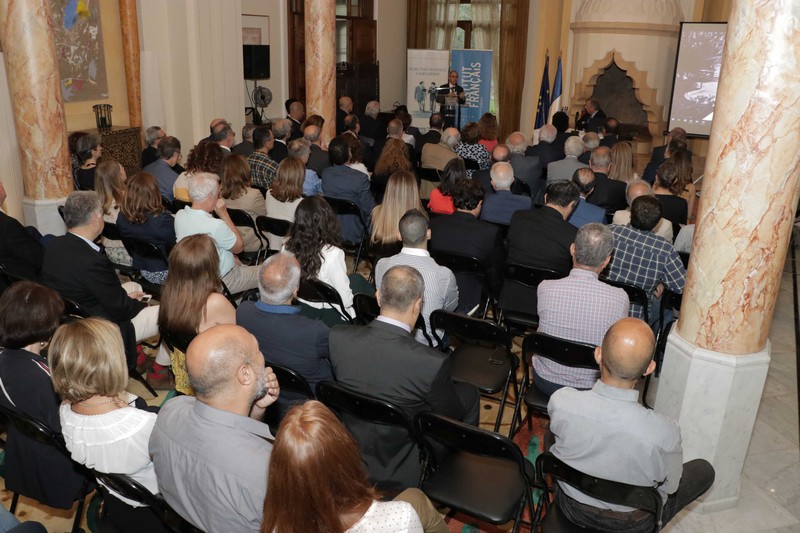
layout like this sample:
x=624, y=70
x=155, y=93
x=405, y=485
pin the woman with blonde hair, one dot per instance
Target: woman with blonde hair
x=236, y=190
x=305, y=494
x=285, y=194
x=109, y=184
x=207, y=156
x=402, y=194
x=622, y=163
x=394, y=157
x=102, y=429
x=191, y=301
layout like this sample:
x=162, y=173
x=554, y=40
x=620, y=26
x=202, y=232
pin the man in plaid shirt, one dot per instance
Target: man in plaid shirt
x=578, y=308
x=644, y=259
x=262, y=168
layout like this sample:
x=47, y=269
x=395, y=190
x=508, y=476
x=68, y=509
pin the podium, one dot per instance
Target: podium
x=450, y=108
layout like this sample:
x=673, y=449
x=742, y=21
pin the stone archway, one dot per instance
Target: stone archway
x=646, y=95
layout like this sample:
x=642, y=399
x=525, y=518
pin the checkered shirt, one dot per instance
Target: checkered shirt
x=262, y=169
x=644, y=259
x=578, y=308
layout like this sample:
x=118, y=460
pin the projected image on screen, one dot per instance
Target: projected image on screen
x=694, y=91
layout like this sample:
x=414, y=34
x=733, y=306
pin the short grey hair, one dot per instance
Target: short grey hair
x=401, y=286
x=299, y=148
x=151, y=135
x=395, y=128
x=591, y=140
x=633, y=185
x=373, y=108
x=601, y=157
x=311, y=133
x=413, y=227
x=281, y=128
x=202, y=186
x=594, y=243
x=517, y=143
x=278, y=278
x=80, y=207
x=451, y=137
x=502, y=175
x=548, y=133
x=247, y=132
x=573, y=146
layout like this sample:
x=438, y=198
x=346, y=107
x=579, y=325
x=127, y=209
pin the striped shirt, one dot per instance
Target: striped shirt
x=262, y=169
x=577, y=308
x=441, y=291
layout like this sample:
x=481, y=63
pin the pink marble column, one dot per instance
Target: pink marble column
x=26, y=35
x=750, y=189
x=130, y=54
x=320, y=40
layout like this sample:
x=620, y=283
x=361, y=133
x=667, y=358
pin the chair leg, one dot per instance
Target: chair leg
x=76, y=523
x=644, y=391
x=14, y=502
x=138, y=377
x=503, y=404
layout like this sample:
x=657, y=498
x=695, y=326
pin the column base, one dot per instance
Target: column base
x=715, y=398
x=44, y=216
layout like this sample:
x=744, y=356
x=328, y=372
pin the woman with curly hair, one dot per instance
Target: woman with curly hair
x=394, y=158
x=487, y=131
x=109, y=184
x=470, y=148
x=285, y=195
x=442, y=196
x=402, y=194
x=235, y=189
x=207, y=156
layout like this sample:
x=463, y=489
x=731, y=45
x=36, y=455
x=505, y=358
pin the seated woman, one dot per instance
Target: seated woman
x=315, y=240
x=356, y=154
x=393, y=158
x=683, y=160
x=109, y=184
x=101, y=427
x=285, y=194
x=442, y=196
x=29, y=314
x=667, y=188
x=89, y=151
x=487, y=131
x=470, y=148
x=191, y=301
x=402, y=194
x=143, y=217
x=622, y=163
x=207, y=156
x=305, y=494
x=235, y=189
x=75, y=160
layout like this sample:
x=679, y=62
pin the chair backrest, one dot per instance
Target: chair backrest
x=178, y=341
x=166, y=204
x=243, y=219
x=363, y=406
x=529, y=276
x=469, y=329
x=129, y=488
x=568, y=353
x=8, y=277
x=34, y=430
x=346, y=207
x=73, y=309
x=647, y=498
x=111, y=231
x=428, y=174
x=276, y=226
x=178, y=205
x=635, y=294
x=366, y=308
x=314, y=290
x=61, y=212
x=144, y=249
x=459, y=263
x=454, y=435
x=290, y=380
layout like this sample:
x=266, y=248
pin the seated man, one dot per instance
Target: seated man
x=204, y=191
x=644, y=259
x=608, y=193
x=565, y=168
x=169, y=153
x=20, y=253
x=441, y=290
x=585, y=212
x=499, y=207
x=634, y=190
x=210, y=452
x=578, y=308
x=277, y=324
x=605, y=432
x=383, y=359
x=75, y=267
x=345, y=183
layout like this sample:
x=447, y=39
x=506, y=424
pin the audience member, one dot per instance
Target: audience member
x=500, y=206
x=500, y=154
x=635, y=189
x=470, y=148
x=371, y=128
x=667, y=188
x=659, y=153
x=432, y=136
x=301, y=149
x=89, y=151
x=207, y=156
x=402, y=194
x=169, y=154
x=152, y=136
x=75, y=160
x=357, y=150
x=621, y=168
x=296, y=114
x=441, y=200
x=282, y=131
x=222, y=133
x=211, y=453
x=584, y=212
x=546, y=150
x=285, y=195
x=262, y=167
x=245, y=148
x=20, y=252
x=565, y=168
x=683, y=160
x=487, y=130
x=318, y=159
x=109, y=184
x=527, y=169
x=608, y=194
x=592, y=118
x=393, y=158
x=561, y=121
x=438, y=155
x=342, y=182
x=605, y=432
x=610, y=132
x=237, y=193
x=344, y=110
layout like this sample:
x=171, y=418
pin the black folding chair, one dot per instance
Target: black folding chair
x=636, y=296
x=529, y=277
x=480, y=473
x=375, y=411
x=367, y=309
x=243, y=219
x=563, y=352
x=295, y=390
x=344, y=208
x=111, y=232
x=669, y=300
x=483, y=357
x=547, y=464
x=464, y=264
x=275, y=226
x=178, y=205
x=314, y=290
x=141, y=249
x=7, y=279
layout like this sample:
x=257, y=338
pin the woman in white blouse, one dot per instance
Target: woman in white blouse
x=101, y=428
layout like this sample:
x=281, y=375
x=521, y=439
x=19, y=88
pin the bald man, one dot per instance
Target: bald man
x=526, y=168
x=499, y=206
x=345, y=108
x=605, y=432
x=211, y=452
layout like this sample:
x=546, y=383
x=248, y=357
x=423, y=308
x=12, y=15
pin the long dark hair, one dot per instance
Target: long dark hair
x=315, y=226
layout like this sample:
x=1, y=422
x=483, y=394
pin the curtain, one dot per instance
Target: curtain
x=486, y=36
x=417, y=27
x=442, y=22
x=513, y=42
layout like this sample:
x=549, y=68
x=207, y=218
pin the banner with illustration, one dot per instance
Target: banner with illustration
x=474, y=68
x=427, y=69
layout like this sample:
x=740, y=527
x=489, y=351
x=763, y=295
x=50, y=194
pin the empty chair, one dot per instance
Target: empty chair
x=529, y=277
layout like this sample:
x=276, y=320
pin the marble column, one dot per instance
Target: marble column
x=130, y=55
x=717, y=360
x=26, y=35
x=320, y=40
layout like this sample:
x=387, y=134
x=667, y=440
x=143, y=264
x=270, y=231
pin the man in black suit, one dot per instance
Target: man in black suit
x=592, y=118
x=610, y=132
x=281, y=130
x=500, y=154
x=75, y=267
x=383, y=359
x=343, y=182
x=527, y=169
x=432, y=136
x=371, y=128
x=296, y=114
x=546, y=150
x=608, y=194
x=245, y=148
x=352, y=126
x=20, y=253
x=462, y=233
x=454, y=90
x=541, y=237
x=561, y=122
x=345, y=109
x=318, y=159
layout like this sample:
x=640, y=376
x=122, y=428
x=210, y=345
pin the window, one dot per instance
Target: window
x=462, y=38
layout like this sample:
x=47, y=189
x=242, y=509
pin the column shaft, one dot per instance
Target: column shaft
x=320, y=39
x=130, y=54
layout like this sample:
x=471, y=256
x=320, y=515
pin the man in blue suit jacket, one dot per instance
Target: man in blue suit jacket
x=499, y=207
x=345, y=183
x=585, y=212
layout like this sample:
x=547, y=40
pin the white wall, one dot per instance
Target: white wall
x=392, y=20
x=278, y=84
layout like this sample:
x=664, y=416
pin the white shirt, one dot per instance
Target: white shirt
x=333, y=271
x=388, y=517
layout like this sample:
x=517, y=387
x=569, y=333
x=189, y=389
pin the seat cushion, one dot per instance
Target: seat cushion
x=486, y=368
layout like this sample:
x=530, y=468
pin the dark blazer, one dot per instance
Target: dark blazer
x=149, y=154
x=20, y=252
x=595, y=123
x=296, y=131
x=279, y=152
x=318, y=159
x=547, y=153
x=609, y=141
x=585, y=157
x=431, y=136
x=385, y=361
x=462, y=233
x=608, y=194
x=158, y=229
x=499, y=207
x=586, y=213
x=244, y=148
x=372, y=128
x=343, y=182
x=529, y=170
x=340, y=116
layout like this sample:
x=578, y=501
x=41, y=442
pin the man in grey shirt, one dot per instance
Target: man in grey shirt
x=605, y=432
x=211, y=453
